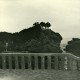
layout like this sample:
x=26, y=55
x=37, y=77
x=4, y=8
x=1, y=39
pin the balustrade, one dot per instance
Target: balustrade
x=55, y=61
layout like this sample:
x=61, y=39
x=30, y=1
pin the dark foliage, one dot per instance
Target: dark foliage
x=73, y=46
x=33, y=39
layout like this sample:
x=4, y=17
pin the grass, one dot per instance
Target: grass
x=39, y=75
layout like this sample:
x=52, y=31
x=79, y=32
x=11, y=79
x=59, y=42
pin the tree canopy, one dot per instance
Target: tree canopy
x=73, y=46
x=46, y=25
x=33, y=39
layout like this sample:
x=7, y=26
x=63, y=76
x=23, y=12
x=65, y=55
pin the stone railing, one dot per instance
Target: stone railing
x=55, y=61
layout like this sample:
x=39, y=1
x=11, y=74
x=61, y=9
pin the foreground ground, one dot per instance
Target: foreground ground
x=39, y=75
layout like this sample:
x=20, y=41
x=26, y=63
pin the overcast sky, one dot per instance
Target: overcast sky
x=64, y=15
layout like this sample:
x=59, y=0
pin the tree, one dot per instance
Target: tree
x=33, y=46
x=42, y=24
x=36, y=24
x=47, y=25
x=33, y=39
x=73, y=47
x=45, y=44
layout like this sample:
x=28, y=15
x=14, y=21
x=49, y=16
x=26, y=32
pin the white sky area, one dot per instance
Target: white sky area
x=64, y=15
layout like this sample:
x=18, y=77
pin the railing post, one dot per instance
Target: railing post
x=29, y=61
x=16, y=62
x=78, y=65
x=62, y=62
x=3, y=62
x=36, y=62
x=49, y=62
x=10, y=62
x=56, y=63
x=69, y=63
x=42, y=62
x=22, y=63
x=74, y=64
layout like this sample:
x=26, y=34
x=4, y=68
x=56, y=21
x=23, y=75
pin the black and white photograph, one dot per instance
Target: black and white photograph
x=39, y=39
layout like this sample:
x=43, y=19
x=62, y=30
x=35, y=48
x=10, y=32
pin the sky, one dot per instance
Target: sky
x=64, y=15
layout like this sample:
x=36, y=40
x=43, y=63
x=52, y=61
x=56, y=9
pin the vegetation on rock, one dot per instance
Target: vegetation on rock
x=38, y=38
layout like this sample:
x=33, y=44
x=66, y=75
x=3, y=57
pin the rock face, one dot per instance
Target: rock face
x=73, y=46
x=33, y=39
